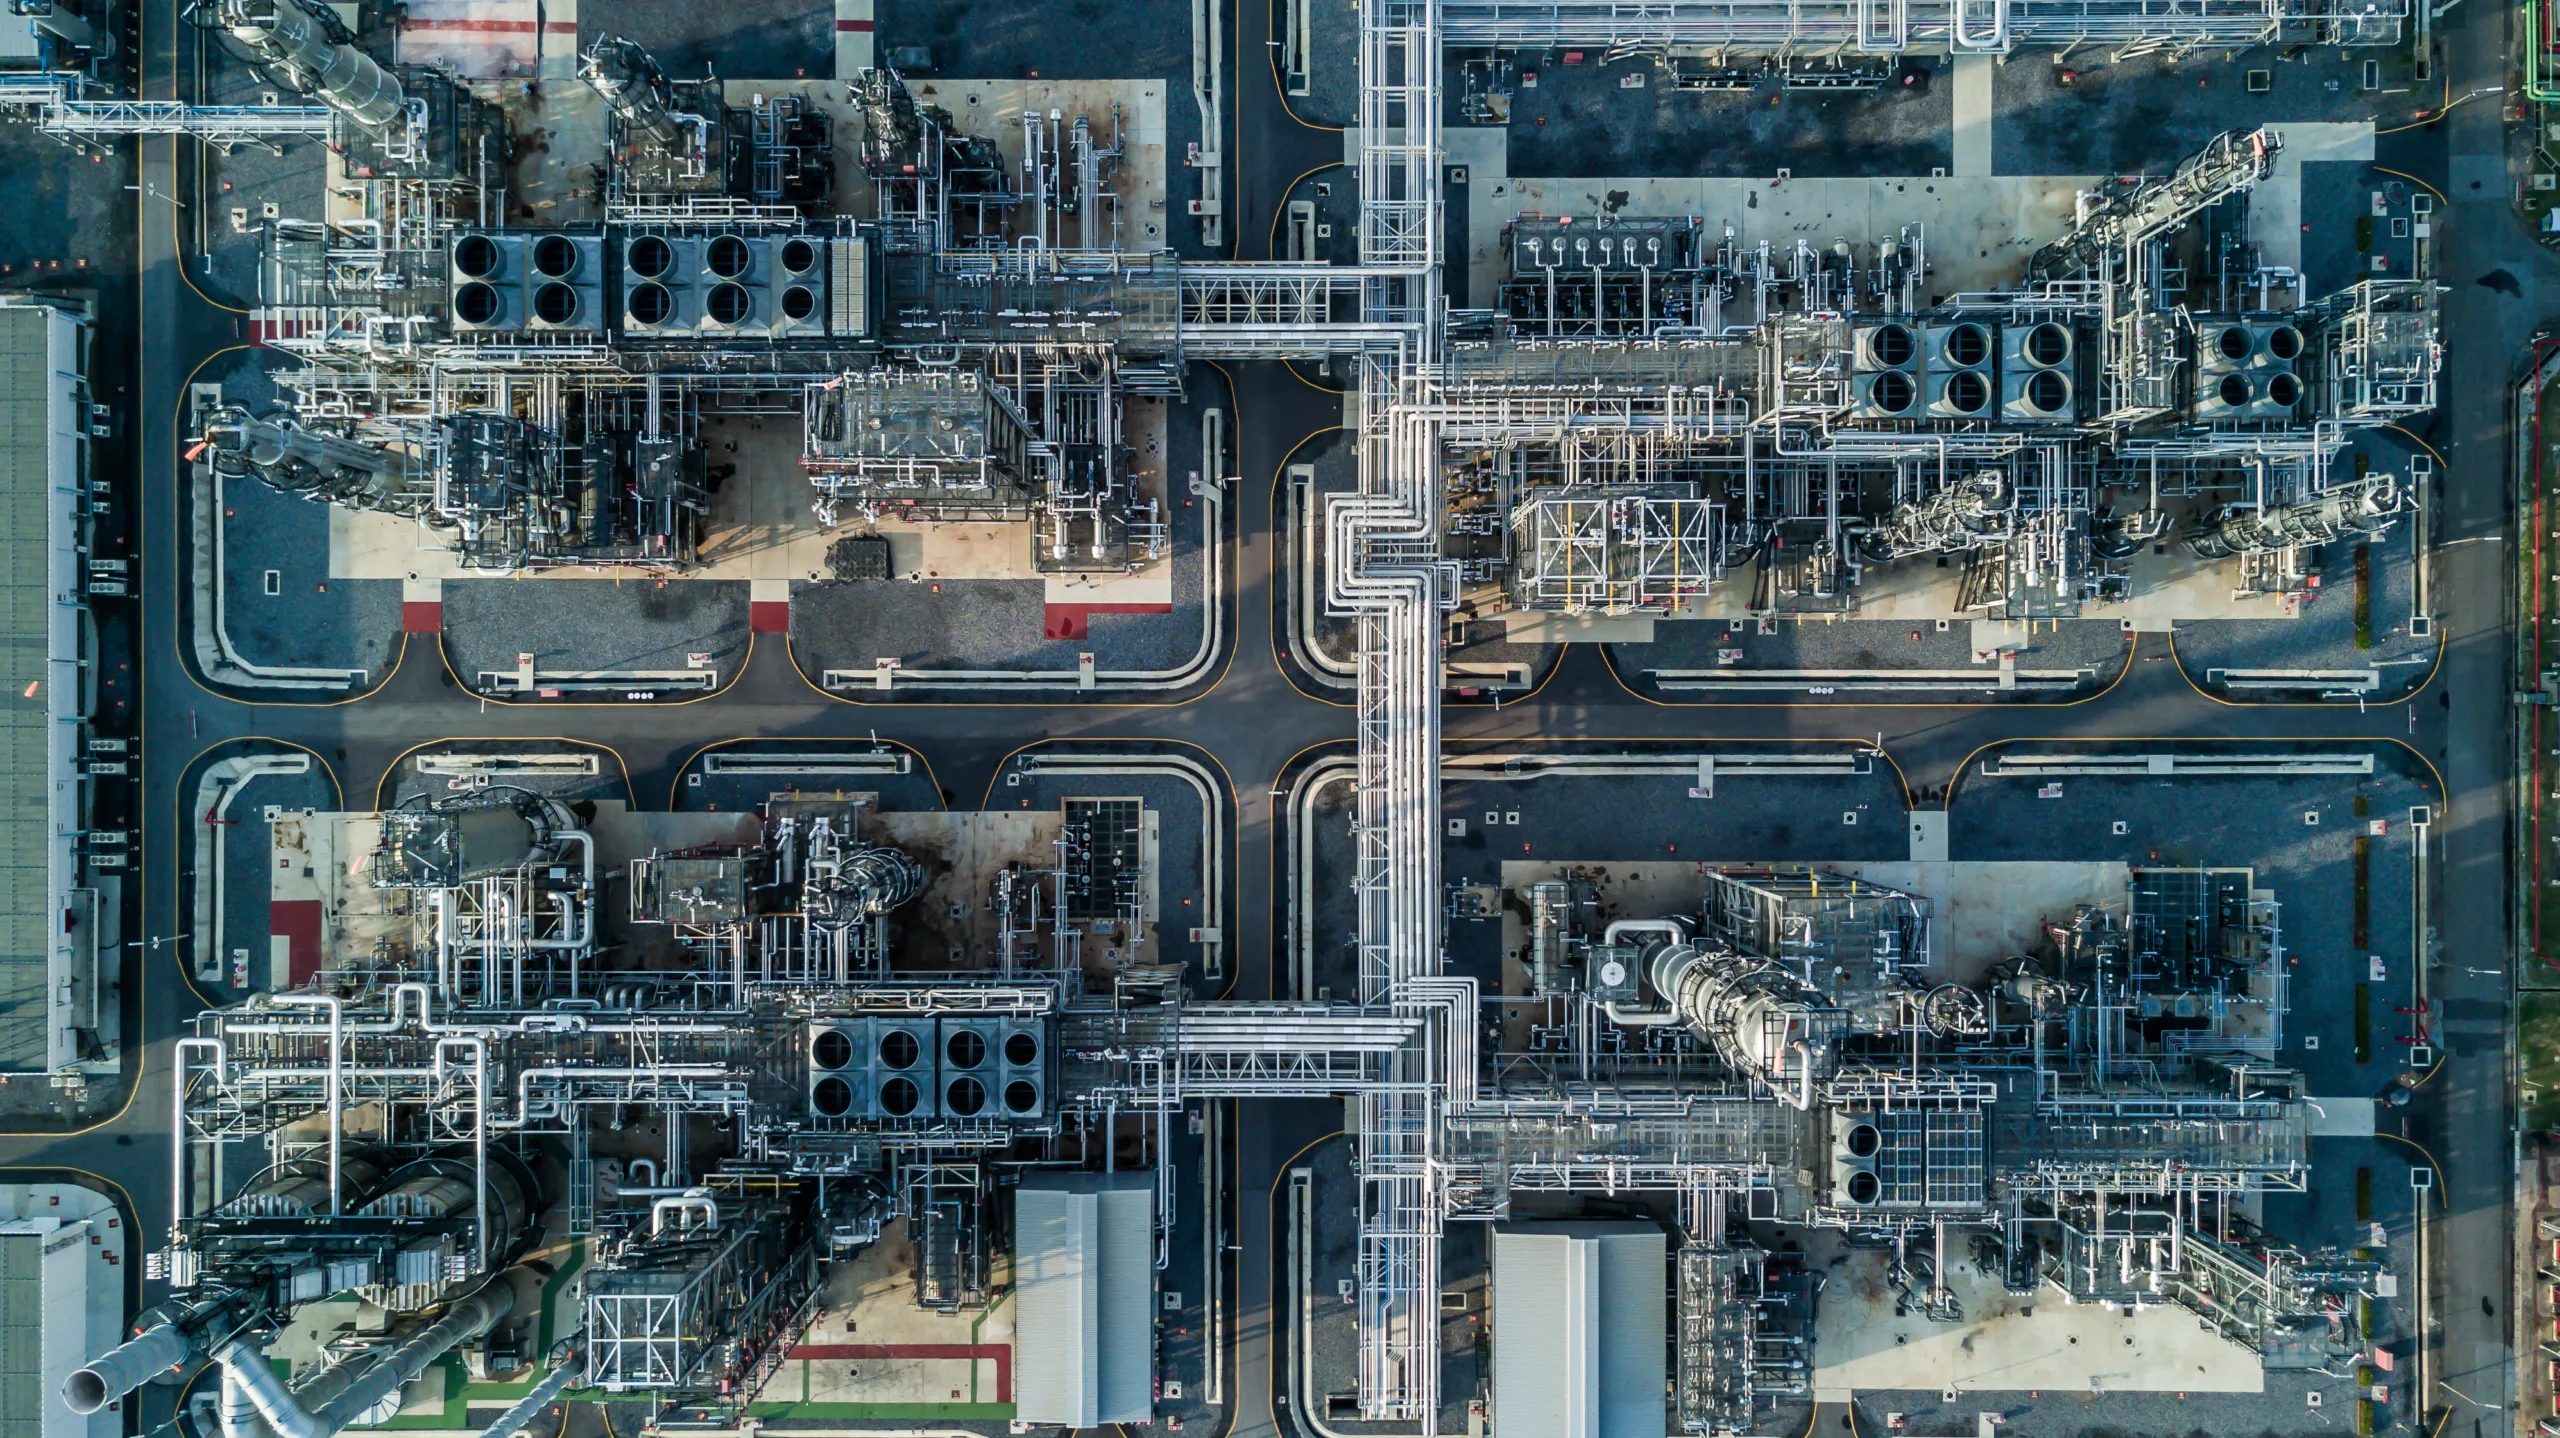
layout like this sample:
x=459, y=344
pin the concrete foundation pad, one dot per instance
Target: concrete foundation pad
x=1980, y=230
x=1981, y=913
x=2010, y=1344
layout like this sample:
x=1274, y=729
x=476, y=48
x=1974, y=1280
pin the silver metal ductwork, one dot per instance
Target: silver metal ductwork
x=283, y=455
x=291, y=40
x=337, y=1397
x=2362, y=508
x=621, y=72
x=156, y=1350
x=1762, y=1020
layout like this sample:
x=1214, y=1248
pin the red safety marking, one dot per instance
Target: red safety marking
x=299, y=921
x=1069, y=621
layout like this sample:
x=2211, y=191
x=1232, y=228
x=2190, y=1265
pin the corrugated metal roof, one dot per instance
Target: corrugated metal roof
x=27, y=500
x=1580, y=1346
x=1084, y=1299
x=22, y=1375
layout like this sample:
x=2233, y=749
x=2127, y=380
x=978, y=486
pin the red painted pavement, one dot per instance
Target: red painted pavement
x=999, y=1354
x=854, y=25
x=299, y=921
x=1069, y=621
x=421, y=616
x=769, y=616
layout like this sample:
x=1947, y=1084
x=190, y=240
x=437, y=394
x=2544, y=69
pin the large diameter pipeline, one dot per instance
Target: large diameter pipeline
x=156, y=1350
x=372, y=1383
x=342, y=77
x=530, y=1406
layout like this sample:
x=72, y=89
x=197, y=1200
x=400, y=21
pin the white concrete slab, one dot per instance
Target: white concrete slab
x=1484, y=149
x=1974, y=75
x=1983, y=912
x=2350, y=1117
x=2275, y=207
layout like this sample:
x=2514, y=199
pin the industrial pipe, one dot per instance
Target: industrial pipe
x=510, y=1423
x=288, y=37
x=156, y=1350
x=238, y=1414
x=628, y=81
x=696, y=1201
x=1673, y=931
x=402, y=1361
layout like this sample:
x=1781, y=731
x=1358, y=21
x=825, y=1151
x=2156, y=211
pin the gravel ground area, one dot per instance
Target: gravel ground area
x=593, y=624
x=2257, y=822
x=2324, y=637
x=1333, y=59
x=2262, y=823
x=2280, y=1410
x=737, y=40
x=227, y=214
x=2098, y=646
x=984, y=624
x=1583, y=120
x=278, y=542
x=2147, y=114
x=936, y=624
x=245, y=934
x=2211, y=822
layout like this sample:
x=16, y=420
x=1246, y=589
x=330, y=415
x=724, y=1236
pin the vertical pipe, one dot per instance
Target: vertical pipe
x=336, y=1090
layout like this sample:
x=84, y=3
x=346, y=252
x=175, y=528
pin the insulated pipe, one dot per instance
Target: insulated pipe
x=513, y=1421
x=1803, y=1101
x=238, y=1414
x=156, y=1350
x=1673, y=931
x=285, y=35
x=378, y=1380
x=622, y=73
x=694, y=1201
x=337, y=1084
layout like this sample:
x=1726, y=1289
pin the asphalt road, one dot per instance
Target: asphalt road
x=1253, y=720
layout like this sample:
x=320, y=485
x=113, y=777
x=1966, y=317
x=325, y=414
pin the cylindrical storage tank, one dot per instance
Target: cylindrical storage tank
x=301, y=1187
x=425, y=1195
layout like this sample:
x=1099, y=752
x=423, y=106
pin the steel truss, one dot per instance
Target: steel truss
x=55, y=103
x=1889, y=27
